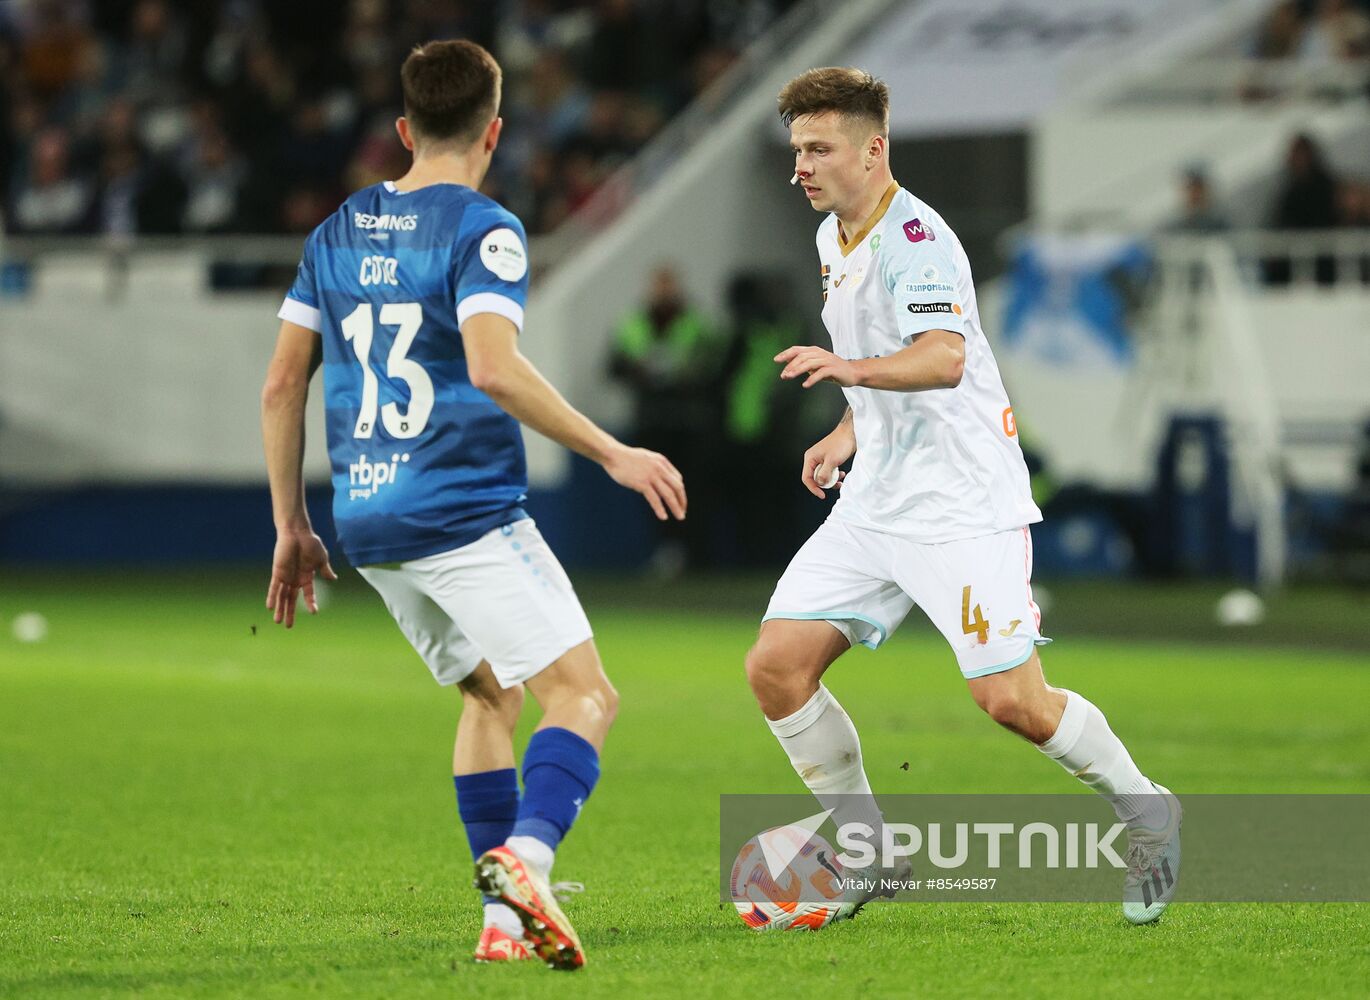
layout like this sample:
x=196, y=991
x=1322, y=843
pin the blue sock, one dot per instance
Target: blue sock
x=488, y=803
x=559, y=771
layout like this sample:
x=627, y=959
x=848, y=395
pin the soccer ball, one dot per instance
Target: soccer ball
x=806, y=896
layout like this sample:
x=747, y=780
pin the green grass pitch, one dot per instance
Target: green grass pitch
x=190, y=809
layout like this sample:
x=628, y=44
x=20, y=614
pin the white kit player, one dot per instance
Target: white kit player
x=936, y=507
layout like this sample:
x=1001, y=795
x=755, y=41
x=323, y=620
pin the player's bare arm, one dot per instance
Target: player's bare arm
x=934, y=360
x=300, y=553
x=500, y=370
x=822, y=462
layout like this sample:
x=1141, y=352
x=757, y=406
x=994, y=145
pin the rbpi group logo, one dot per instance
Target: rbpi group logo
x=367, y=477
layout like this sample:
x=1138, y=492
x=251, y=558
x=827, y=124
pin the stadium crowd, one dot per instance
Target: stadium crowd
x=1308, y=194
x=176, y=116
x=1314, y=31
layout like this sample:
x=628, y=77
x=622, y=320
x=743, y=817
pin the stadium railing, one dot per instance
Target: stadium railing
x=1267, y=331
x=1217, y=319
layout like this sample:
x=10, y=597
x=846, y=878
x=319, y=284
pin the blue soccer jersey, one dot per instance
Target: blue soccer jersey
x=423, y=461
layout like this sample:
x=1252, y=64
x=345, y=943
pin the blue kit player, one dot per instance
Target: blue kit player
x=411, y=296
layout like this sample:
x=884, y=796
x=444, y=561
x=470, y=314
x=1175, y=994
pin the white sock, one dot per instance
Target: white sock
x=826, y=753
x=533, y=852
x=1085, y=746
x=502, y=915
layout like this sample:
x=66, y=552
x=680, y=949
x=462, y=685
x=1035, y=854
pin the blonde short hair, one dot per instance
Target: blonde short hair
x=852, y=93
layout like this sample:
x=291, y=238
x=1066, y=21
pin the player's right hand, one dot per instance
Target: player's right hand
x=653, y=476
x=824, y=458
x=299, y=555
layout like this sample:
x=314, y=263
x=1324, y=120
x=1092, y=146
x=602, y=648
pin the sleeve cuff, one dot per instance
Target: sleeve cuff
x=295, y=311
x=958, y=328
x=490, y=302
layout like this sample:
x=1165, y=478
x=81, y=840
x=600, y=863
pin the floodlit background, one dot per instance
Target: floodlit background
x=1167, y=207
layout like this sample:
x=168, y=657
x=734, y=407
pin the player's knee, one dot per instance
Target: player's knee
x=762, y=665
x=1002, y=703
x=779, y=685
x=594, y=708
x=598, y=697
x=511, y=703
x=594, y=703
x=490, y=699
x=608, y=697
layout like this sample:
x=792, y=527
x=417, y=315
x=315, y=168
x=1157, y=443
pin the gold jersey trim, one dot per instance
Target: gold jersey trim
x=848, y=245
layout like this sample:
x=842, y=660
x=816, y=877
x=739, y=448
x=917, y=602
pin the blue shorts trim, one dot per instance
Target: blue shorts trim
x=833, y=616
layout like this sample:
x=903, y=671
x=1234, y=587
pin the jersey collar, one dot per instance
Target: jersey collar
x=848, y=245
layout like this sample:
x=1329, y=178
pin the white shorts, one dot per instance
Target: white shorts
x=502, y=598
x=977, y=591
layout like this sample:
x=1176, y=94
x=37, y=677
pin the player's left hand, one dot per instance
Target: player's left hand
x=299, y=555
x=819, y=365
x=652, y=475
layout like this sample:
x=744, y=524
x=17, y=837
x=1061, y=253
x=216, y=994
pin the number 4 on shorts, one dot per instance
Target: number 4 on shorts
x=973, y=626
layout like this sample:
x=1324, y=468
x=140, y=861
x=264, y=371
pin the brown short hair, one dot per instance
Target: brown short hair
x=850, y=92
x=451, y=90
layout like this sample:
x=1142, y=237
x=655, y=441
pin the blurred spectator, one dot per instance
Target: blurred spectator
x=1353, y=204
x=305, y=207
x=1306, y=200
x=557, y=104
x=52, y=47
x=1198, y=214
x=1307, y=197
x=214, y=175
x=616, y=57
x=378, y=158
x=759, y=446
x=668, y=353
x=1338, y=31
x=120, y=177
x=50, y=199
x=154, y=54
x=1281, y=33
x=1353, y=212
x=312, y=152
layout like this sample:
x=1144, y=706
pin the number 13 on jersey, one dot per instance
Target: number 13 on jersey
x=359, y=328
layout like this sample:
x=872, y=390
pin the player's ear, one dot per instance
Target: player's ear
x=875, y=150
x=406, y=137
x=492, y=132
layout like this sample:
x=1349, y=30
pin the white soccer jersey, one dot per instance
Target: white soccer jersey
x=931, y=466
x=937, y=465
